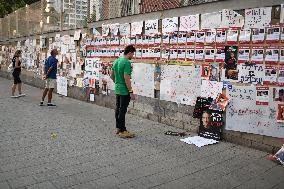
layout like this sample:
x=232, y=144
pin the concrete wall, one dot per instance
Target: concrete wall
x=169, y=113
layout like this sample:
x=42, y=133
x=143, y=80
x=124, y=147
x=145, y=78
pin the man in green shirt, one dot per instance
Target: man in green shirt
x=121, y=76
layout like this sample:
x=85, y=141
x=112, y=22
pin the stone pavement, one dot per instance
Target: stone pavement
x=85, y=153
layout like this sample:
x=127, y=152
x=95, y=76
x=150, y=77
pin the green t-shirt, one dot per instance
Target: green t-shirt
x=120, y=67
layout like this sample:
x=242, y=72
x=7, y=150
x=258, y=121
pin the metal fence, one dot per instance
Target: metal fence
x=57, y=15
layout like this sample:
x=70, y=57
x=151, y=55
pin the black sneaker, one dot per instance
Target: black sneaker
x=41, y=103
x=51, y=105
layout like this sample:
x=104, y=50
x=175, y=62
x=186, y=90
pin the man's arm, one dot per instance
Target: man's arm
x=128, y=82
x=112, y=76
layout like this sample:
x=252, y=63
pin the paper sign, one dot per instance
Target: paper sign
x=232, y=36
x=189, y=23
x=281, y=55
x=62, y=85
x=211, y=20
x=113, y=28
x=272, y=55
x=77, y=35
x=124, y=29
x=136, y=28
x=273, y=34
x=199, y=53
x=170, y=25
x=190, y=54
x=211, y=88
x=280, y=79
x=151, y=27
x=210, y=36
x=105, y=30
x=180, y=84
x=242, y=113
x=278, y=94
x=244, y=54
x=221, y=36
x=257, y=55
x=199, y=141
x=270, y=77
x=262, y=95
x=205, y=71
x=251, y=73
x=245, y=36
x=200, y=37
x=143, y=79
x=182, y=38
x=258, y=35
x=190, y=38
x=258, y=17
x=210, y=54
x=231, y=18
x=220, y=54
x=214, y=72
x=282, y=14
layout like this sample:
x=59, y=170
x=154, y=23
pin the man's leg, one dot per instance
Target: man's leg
x=20, y=88
x=49, y=97
x=124, y=102
x=44, y=94
x=117, y=112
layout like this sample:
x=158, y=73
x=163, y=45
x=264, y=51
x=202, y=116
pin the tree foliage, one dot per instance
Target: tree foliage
x=8, y=6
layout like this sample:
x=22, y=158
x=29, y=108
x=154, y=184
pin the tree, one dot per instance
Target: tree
x=8, y=6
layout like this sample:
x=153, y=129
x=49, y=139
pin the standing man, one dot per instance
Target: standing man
x=50, y=71
x=121, y=75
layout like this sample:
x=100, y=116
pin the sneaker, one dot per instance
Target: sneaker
x=14, y=96
x=51, y=105
x=20, y=95
x=126, y=134
x=41, y=103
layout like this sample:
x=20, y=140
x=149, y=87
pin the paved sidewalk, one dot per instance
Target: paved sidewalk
x=86, y=153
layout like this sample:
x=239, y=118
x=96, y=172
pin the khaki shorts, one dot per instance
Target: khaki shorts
x=50, y=83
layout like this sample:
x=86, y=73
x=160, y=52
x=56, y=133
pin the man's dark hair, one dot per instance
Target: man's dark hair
x=129, y=49
x=281, y=91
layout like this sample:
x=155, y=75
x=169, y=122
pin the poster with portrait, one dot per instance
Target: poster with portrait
x=262, y=96
x=270, y=77
x=200, y=37
x=182, y=38
x=201, y=105
x=173, y=54
x=282, y=34
x=220, y=103
x=280, y=113
x=273, y=34
x=205, y=71
x=190, y=38
x=257, y=36
x=214, y=72
x=221, y=36
x=166, y=38
x=189, y=23
x=210, y=36
x=211, y=124
x=231, y=62
x=232, y=36
x=278, y=94
x=245, y=36
x=271, y=55
x=220, y=54
x=244, y=54
x=258, y=17
x=231, y=19
x=106, y=83
x=105, y=29
x=280, y=78
x=257, y=55
x=170, y=25
x=173, y=38
x=190, y=54
x=151, y=27
x=199, y=53
x=211, y=20
x=136, y=28
x=77, y=35
x=281, y=58
x=210, y=54
x=181, y=54
x=251, y=73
